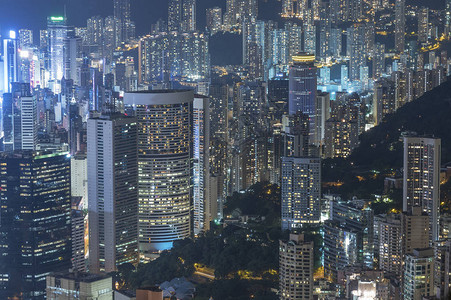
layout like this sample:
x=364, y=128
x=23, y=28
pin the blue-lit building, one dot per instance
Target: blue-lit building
x=303, y=88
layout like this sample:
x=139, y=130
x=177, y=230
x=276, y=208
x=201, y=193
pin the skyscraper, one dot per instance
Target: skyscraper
x=35, y=230
x=122, y=15
x=296, y=268
x=174, y=15
x=165, y=156
x=201, y=169
x=19, y=118
x=10, y=62
x=214, y=19
x=422, y=157
x=302, y=90
x=301, y=191
x=57, y=33
x=400, y=25
x=189, y=16
x=112, y=192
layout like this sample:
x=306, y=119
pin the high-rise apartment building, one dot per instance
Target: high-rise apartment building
x=35, y=230
x=301, y=191
x=214, y=19
x=390, y=245
x=296, y=268
x=175, y=15
x=188, y=16
x=165, y=156
x=419, y=274
x=201, y=169
x=124, y=24
x=303, y=89
x=112, y=192
x=423, y=25
x=422, y=156
x=414, y=230
x=400, y=25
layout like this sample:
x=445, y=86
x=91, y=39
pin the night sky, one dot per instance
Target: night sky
x=15, y=14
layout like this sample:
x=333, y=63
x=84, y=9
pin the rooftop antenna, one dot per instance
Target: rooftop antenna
x=65, y=16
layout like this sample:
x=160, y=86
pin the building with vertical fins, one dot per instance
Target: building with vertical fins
x=165, y=158
x=112, y=192
x=201, y=170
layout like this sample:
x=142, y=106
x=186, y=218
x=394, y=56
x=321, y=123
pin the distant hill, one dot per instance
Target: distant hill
x=430, y=114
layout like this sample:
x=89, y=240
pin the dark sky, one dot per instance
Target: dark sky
x=15, y=14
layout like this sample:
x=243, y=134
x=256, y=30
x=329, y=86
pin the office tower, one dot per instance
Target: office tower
x=78, y=227
x=25, y=38
x=174, y=15
x=57, y=33
x=28, y=122
x=340, y=248
x=35, y=220
x=322, y=115
x=201, y=158
x=10, y=62
x=188, y=16
x=19, y=118
x=214, y=19
x=79, y=285
x=110, y=37
x=73, y=59
x=302, y=94
x=301, y=191
x=422, y=157
x=165, y=165
x=423, y=25
x=79, y=176
x=296, y=268
x=414, y=230
x=122, y=15
x=95, y=31
x=419, y=274
x=390, y=244
x=112, y=192
x=400, y=25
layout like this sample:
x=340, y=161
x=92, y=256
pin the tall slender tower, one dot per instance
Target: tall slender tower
x=422, y=178
x=165, y=158
x=302, y=89
x=174, y=15
x=112, y=192
x=400, y=25
x=57, y=33
x=201, y=170
x=122, y=15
